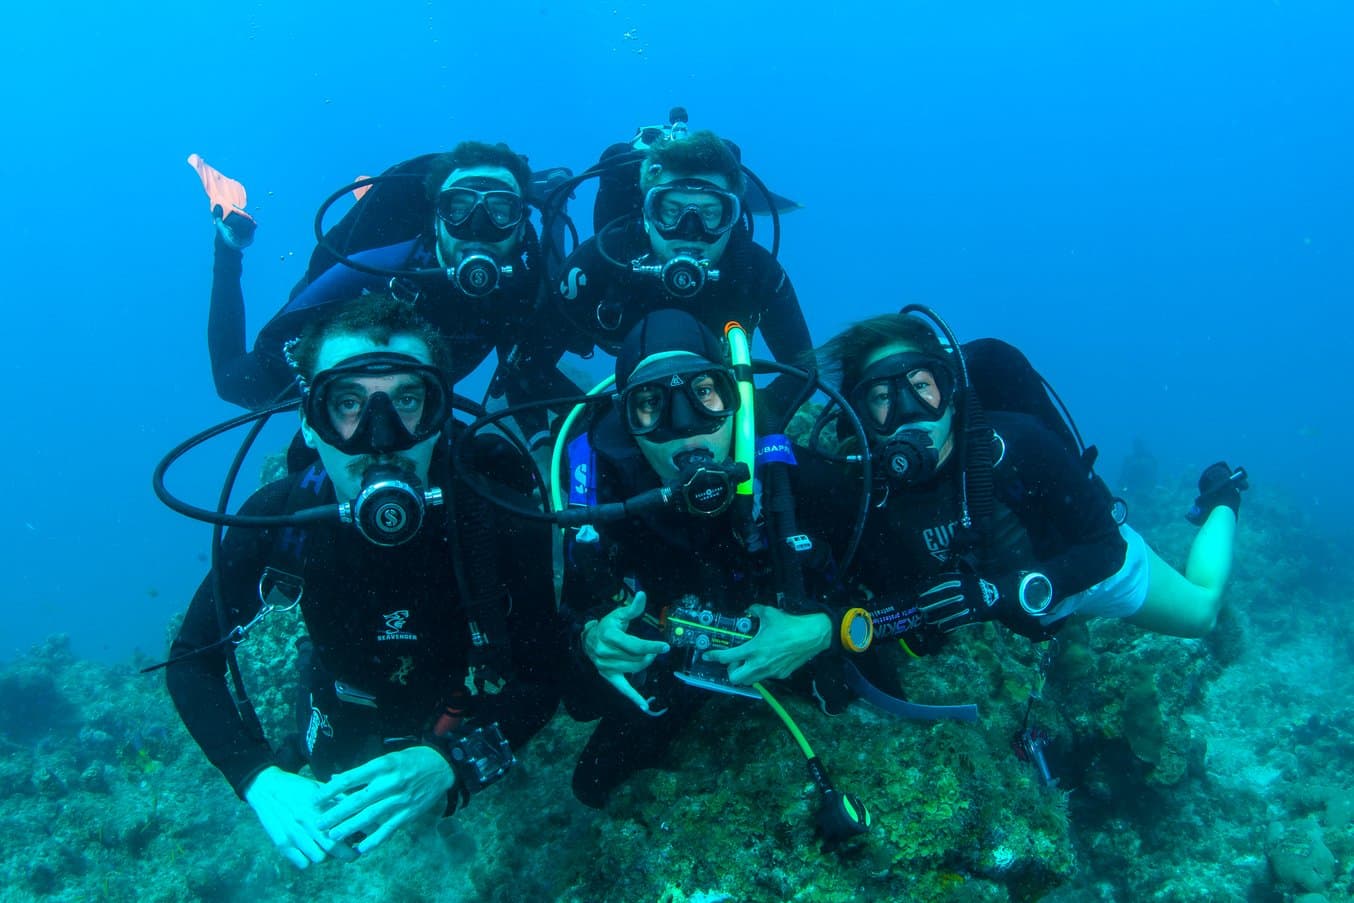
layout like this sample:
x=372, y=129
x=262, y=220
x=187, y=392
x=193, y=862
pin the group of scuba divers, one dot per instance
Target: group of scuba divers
x=633, y=550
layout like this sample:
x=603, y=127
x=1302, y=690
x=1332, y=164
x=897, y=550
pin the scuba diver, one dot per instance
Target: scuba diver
x=431, y=632
x=673, y=231
x=451, y=231
x=684, y=596
x=984, y=511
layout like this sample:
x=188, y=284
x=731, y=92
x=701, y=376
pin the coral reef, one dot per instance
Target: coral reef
x=1220, y=768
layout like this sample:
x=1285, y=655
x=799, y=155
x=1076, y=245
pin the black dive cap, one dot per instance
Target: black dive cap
x=665, y=332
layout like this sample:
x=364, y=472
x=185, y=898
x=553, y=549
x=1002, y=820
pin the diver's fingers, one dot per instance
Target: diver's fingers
x=302, y=845
x=744, y=674
x=377, y=837
x=617, y=644
x=626, y=689
x=347, y=781
x=726, y=656
x=627, y=613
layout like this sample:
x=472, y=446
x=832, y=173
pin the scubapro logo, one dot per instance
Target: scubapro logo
x=391, y=518
x=572, y=282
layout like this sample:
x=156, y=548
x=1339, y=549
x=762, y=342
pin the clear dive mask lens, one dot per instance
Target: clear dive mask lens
x=480, y=208
x=377, y=403
x=691, y=206
x=679, y=404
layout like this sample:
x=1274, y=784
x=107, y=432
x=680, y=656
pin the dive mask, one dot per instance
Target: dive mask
x=646, y=136
x=377, y=403
x=691, y=210
x=676, y=398
x=480, y=209
x=908, y=387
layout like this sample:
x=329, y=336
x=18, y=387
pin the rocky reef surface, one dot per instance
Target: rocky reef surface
x=1211, y=769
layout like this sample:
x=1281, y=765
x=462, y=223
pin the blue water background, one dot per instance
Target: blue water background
x=1152, y=199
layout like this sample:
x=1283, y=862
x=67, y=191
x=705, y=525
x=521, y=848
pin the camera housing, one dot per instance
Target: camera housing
x=698, y=630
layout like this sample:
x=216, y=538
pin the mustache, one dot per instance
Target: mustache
x=359, y=465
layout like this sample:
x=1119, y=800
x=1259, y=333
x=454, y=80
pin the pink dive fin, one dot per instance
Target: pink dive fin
x=227, y=196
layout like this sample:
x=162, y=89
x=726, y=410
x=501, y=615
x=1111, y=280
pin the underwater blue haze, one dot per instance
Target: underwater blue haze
x=1152, y=199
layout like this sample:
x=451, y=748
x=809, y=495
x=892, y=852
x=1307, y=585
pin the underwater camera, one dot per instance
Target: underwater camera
x=698, y=630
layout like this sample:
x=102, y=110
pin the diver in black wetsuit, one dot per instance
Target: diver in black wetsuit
x=414, y=653
x=989, y=515
x=675, y=422
x=1041, y=533
x=481, y=284
x=688, y=249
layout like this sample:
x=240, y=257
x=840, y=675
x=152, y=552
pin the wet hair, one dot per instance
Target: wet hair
x=844, y=355
x=476, y=153
x=378, y=317
x=699, y=154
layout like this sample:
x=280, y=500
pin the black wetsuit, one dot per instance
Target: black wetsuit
x=669, y=556
x=599, y=302
x=472, y=326
x=387, y=622
x=1051, y=516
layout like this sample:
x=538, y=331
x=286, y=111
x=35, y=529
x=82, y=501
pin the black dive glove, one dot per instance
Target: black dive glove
x=907, y=625
x=959, y=600
x=1219, y=485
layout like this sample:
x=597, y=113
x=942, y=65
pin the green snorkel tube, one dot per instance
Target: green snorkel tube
x=842, y=815
x=744, y=422
x=562, y=440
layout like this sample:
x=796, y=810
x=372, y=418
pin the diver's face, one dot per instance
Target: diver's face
x=648, y=401
x=660, y=454
x=450, y=249
x=346, y=470
x=666, y=249
x=878, y=403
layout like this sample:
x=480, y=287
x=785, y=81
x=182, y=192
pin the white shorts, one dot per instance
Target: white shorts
x=1119, y=596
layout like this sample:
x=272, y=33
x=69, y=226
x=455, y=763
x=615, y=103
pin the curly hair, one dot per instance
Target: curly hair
x=701, y=153
x=476, y=153
x=378, y=317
